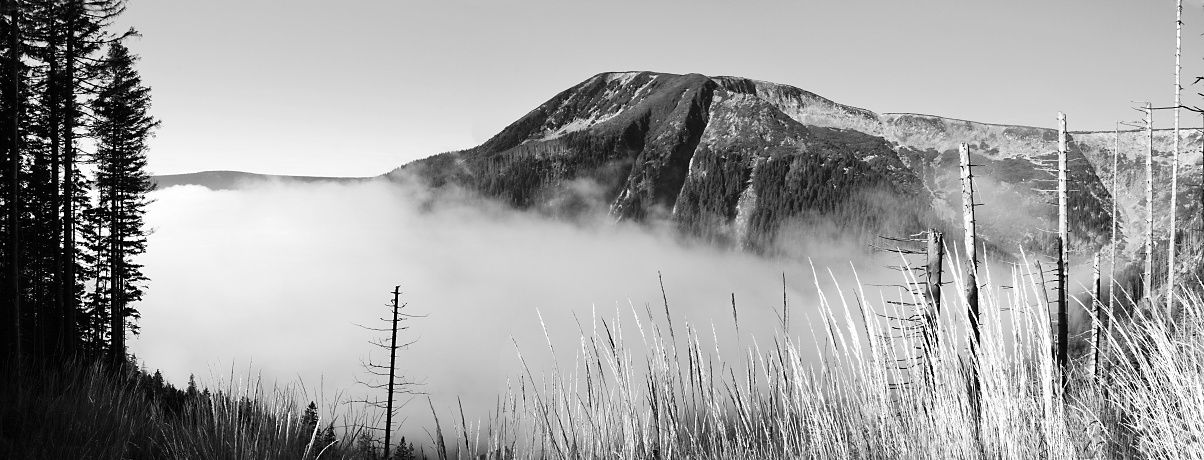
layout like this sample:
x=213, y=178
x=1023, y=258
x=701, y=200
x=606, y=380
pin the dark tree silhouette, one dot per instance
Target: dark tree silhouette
x=86, y=25
x=122, y=127
x=51, y=63
x=12, y=107
x=392, y=383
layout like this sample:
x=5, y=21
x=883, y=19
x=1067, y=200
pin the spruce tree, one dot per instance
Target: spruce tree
x=309, y=420
x=43, y=256
x=86, y=31
x=191, y=393
x=121, y=129
x=405, y=451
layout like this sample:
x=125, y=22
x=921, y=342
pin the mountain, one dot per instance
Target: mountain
x=753, y=164
x=706, y=153
x=233, y=180
x=749, y=163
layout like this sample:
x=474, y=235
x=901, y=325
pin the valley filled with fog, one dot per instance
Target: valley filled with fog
x=272, y=279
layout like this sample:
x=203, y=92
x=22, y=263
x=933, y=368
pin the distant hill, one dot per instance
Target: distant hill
x=740, y=162
x=233, y=180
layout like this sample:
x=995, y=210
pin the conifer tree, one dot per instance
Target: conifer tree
x=191, y=393
x=310, y=419
x=121, y=129
x=40, y=254
x=54, y=50
x=405, y=451
x=13, y=71
x=86, y=24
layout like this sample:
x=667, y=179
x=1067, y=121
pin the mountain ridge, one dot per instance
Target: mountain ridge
x=617, y=119
x=737, y=161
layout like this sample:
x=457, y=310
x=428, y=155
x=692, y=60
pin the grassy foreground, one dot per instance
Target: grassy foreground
x=881, y=388
x=90, y=411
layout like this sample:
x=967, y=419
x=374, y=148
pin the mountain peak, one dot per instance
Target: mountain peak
x=742, y=161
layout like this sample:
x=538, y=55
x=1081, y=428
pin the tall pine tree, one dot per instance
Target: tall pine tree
x=42, y=256
x=86, y=26
x=121, y=129
x=11, y=117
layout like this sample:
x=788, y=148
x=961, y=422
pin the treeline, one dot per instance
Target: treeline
x=834, y=187
x=524, y=175
x=75, y=120
x=844, y=183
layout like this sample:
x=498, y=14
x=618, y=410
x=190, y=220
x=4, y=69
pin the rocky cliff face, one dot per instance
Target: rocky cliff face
x=739, y=162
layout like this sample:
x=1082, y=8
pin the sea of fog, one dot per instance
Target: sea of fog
x=271, y=281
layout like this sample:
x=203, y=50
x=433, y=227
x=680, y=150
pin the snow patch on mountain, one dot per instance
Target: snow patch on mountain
x=611, y=103
x=622, y=77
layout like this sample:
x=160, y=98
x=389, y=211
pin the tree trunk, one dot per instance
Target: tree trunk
x=116, y=279
x=68, y=294
x=54, y=88
x=392, y=373
x=1106, y=318
x=971, y=243
x=1172, y=236
x=1063, y=251
x=1097, y=322
x=13, y=138
x=1148, y=284
x=932, y=296
x=933, y=268
x=1112, y=258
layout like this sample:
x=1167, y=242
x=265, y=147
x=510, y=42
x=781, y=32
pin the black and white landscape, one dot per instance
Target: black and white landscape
x=468, y=230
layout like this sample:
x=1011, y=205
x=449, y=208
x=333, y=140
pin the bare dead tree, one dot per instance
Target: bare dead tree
x=972, y=311
x=1063, y=251
x=971, y=243
x=393, y=384
x=1112, y=257
x=932, y=269
x=1148, y=284
x=1111, y=306
x=392, y=371
x=914, y=318
x=1170, y=254
x=1097, y=320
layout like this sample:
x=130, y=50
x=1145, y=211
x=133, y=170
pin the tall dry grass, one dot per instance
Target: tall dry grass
x=75, y=412
x=879, y=389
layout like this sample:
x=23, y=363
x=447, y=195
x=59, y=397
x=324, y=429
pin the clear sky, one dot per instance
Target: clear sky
x=358, y=87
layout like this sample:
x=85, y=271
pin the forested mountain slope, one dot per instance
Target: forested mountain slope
x=740, y=162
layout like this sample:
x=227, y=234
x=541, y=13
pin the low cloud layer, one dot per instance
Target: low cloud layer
x=275, y=277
